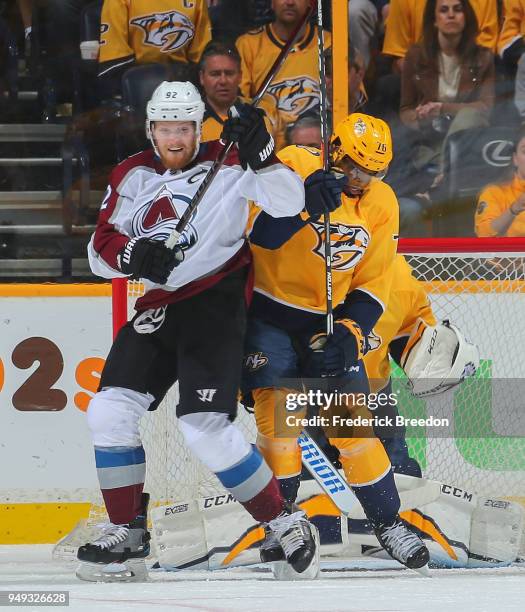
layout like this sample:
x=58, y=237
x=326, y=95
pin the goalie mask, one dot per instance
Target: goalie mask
x=437, y=358
x=175, y=101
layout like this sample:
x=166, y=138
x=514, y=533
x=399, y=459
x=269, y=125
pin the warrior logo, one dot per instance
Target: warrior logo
x=295, y=96
x=167, y=31
x=157, y=218
x=348, y=244
x=254, y=361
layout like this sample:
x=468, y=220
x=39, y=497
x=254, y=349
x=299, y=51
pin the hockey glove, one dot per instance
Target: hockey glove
x=151, y=259
x=249, y=131
x=323, y=192
x=336, y=354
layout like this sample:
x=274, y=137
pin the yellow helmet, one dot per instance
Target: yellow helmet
x=365, y=139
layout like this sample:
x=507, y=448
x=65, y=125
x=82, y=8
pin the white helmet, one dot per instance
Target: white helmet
x=440, y=359
x=175, y=101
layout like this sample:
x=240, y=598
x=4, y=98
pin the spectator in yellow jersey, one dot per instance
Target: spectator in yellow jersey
x=150, y=31
x=511, y=44
x=295, y=88
x=220, y=77
x=501, y=207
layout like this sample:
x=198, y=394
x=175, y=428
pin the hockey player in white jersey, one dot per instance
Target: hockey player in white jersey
x=189, y=324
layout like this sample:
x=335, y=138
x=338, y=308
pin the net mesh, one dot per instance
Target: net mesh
x=482, y=294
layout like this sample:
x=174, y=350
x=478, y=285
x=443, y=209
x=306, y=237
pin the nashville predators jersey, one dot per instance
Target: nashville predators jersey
x=290, y=287
x=152, y=32
x=295, y=88
x=513, y=28
x=405, y=23
x=408, y=302
x=493, y=201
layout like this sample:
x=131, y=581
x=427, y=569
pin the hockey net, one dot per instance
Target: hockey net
x=479, y=285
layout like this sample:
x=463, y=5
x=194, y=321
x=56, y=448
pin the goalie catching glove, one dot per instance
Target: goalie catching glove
x=336, y=354
x=245, y=126
x=150, y=259
x=437, y=358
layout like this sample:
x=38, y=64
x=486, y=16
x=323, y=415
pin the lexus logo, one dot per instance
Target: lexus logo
x=497, y=152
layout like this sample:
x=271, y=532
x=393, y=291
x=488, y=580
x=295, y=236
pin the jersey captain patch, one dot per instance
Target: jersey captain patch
x=158, y=217
x=348, y=244
x=167, y=31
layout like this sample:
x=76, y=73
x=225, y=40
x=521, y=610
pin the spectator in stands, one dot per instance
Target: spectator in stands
x=357, y=97
x=296, y=86
x=362, y=27
x=220, y=77
x=306, y=131
x=404, y=28
x=511, y=44
x=501, y=207
x=447, y=86
x=447, y=79
x=149, y=31
x=519, y=93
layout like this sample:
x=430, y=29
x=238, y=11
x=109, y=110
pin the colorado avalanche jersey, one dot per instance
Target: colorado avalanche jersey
x=144, y=199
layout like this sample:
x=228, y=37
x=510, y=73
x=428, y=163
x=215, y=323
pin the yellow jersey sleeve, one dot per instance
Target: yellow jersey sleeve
x=513, y=24
x=114, y=42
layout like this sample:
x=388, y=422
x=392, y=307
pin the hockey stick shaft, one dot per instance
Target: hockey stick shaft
x=419, y=492
x=172, y=239
x=323, y=111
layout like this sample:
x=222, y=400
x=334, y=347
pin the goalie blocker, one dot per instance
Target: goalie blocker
x=461, y=529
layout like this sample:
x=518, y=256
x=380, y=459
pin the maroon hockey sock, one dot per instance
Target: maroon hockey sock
x=267, y=504
x=124, y=503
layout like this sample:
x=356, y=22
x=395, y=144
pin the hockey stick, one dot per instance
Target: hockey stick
x=172, y=239
x=415, y=492
x=323, y=98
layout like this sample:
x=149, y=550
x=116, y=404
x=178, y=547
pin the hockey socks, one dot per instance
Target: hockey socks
x=121, y=473
x=253, y=485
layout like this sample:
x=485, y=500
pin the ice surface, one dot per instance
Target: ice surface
x=345, y=586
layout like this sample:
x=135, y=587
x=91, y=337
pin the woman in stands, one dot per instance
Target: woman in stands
x=501, y=206
x=447, y=85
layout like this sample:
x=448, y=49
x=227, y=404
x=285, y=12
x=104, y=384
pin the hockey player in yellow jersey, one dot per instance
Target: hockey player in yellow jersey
x=151, y=31
x=295, y=88
x=404, y=332
x=286, y=339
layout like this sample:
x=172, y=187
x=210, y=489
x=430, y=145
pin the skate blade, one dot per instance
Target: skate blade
x=284, y=571
x=133, y=570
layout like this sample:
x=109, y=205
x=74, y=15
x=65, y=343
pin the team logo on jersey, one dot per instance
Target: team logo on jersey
x=295, y=96
x=348, y=244
x=158, y=217
x=254, y=361
x=166, y=31
x=373, y=341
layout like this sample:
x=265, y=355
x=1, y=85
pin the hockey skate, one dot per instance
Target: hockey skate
x=403, y=545
x=292, y=543
x=118, y=554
